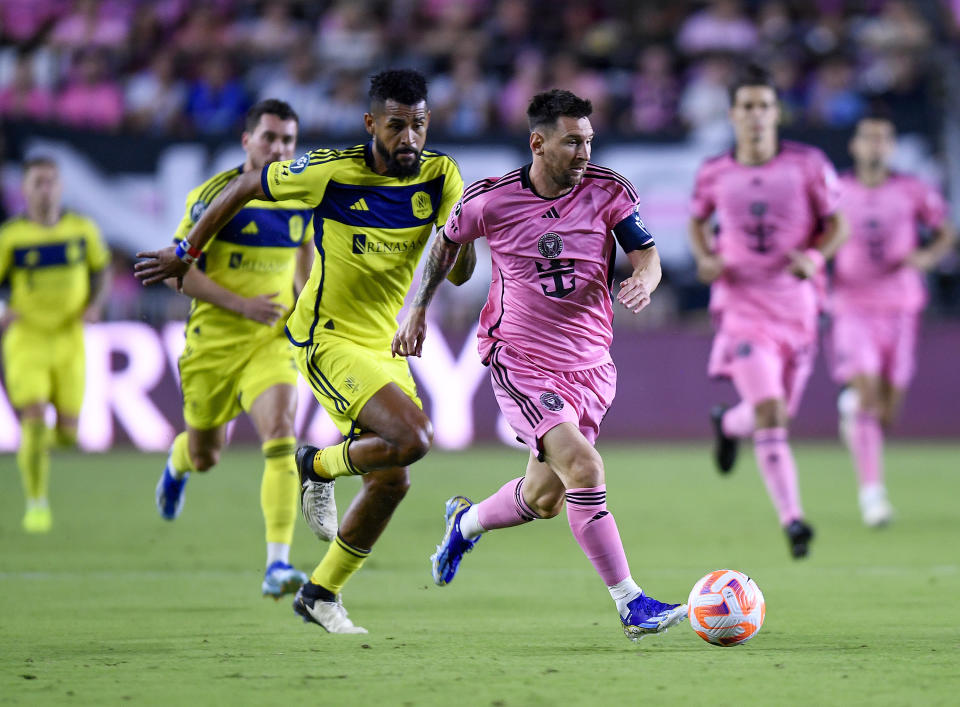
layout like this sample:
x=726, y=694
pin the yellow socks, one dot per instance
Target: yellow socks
x=180, y=456
x=339, y=564
x=332, y=462
x=279, y=489
x=33, y=459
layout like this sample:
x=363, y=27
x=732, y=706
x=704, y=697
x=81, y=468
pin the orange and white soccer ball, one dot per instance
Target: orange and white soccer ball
x=726, y=608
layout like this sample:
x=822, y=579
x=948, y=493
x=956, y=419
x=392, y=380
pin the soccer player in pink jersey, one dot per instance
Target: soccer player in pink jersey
x=545, y=333
x=877, y=295
x=770, y=199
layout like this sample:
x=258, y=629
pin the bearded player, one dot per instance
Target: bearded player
x=545, y=332
x=775, y=209
x=374, y=207
x=877, y=296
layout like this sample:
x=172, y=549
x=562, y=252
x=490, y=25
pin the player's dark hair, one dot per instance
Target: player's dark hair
x=879, y=112
x=39, y=161
x=546, y=107
x=269, y=106
x=751, y=75
x=405, y=86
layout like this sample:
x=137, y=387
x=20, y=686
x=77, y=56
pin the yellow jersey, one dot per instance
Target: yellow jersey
x=370, y=232
x=49, y=268
x=255, y=253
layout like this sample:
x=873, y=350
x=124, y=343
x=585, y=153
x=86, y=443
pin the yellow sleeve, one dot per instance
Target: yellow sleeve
x=304, y=178
x=98, y=254
x=4, y=256
x=200, y=198
x=452, y=191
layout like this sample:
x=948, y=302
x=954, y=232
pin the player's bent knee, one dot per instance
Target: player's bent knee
x=770, y=413
x=206, y=459
x=547, y=507
x=415, y=443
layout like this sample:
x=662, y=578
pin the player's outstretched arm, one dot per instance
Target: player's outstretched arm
x=709, y=265
x=636, y=290
x=262, y=308
x=158, y=265
x=408, y=341
x=463, y=268
x=941, y=243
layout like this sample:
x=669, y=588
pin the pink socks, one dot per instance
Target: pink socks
x=596, y=532
x=779, y=471
x=866, y=444
x=505, y=508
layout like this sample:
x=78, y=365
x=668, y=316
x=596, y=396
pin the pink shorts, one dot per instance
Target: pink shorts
x=881, y=344
x=763, y=367
x=535, y=400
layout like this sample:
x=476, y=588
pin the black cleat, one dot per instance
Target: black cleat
x=304, y=459
x=799, y=535
x=725, y=448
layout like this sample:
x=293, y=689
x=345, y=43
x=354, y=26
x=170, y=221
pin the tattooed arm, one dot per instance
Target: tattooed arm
x=408, y=341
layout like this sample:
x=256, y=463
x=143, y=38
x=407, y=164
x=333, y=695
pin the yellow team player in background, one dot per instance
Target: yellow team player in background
x=375, y=206
x=55, y=262
x=236, y=356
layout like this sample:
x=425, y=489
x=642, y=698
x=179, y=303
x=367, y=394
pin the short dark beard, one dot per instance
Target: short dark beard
x=396, y=168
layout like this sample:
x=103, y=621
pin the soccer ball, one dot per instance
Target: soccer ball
x=726, y=608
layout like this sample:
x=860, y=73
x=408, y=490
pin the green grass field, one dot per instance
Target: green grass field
x=117, y=606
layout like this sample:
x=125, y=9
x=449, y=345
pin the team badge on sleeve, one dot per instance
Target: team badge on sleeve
x=196, y=211
x=550, y=245
x=300, y=164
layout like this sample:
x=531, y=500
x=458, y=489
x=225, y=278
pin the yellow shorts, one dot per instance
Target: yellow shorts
x=344, y=376
x=45, y=367
x=219, y=383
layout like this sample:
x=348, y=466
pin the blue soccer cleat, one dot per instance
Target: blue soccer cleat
x=282, y=578
x=646, y=615
x=446, y=560
x=170, y=492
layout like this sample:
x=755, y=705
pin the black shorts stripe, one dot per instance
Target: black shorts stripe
x=322, y=385
x=527, y=408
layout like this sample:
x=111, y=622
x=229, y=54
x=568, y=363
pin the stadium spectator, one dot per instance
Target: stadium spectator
x=833, y=99
x=274, y=32
x=722, y=26
x=704, y=103
x=345, y=104
x=23, y=98
x=155, y=97
x=528, y=78
x=92, y=98
x=299, y=84
x=567, y=70
x=205, y=29
x=89, y=25
x=217, y=101
x=509, y=34
x=655, y=92
x=463, y=99
x=22, y=21
x=349, y=37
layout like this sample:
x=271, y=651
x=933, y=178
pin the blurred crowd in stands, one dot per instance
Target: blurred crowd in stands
x=184, y=68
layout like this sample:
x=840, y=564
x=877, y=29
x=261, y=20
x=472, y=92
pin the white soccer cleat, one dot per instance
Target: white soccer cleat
x=317, y=501
x=874, y=506
x=328, y=615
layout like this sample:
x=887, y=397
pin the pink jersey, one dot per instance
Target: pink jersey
x=869, y=269
x=552, y=263
x=763, y=213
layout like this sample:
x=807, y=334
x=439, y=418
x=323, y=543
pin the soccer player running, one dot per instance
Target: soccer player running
x=545, y=333
x=55, y=261
x=877, y=295
x=374, y=206
x=777, y=224
x=236, y=358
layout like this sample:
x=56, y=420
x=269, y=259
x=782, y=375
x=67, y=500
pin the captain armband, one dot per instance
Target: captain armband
x=632, y=235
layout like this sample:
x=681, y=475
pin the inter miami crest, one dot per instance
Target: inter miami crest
x=550, y=245
x=551, y=401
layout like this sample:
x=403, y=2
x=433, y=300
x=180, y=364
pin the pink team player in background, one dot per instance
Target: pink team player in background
x=545, y=332
x=776, y=225
x=877, y=295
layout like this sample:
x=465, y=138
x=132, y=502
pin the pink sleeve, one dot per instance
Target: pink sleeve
x=931, y=206
x=623, y=203
x=465, y=223
x=824, y=185
x=703, y=202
